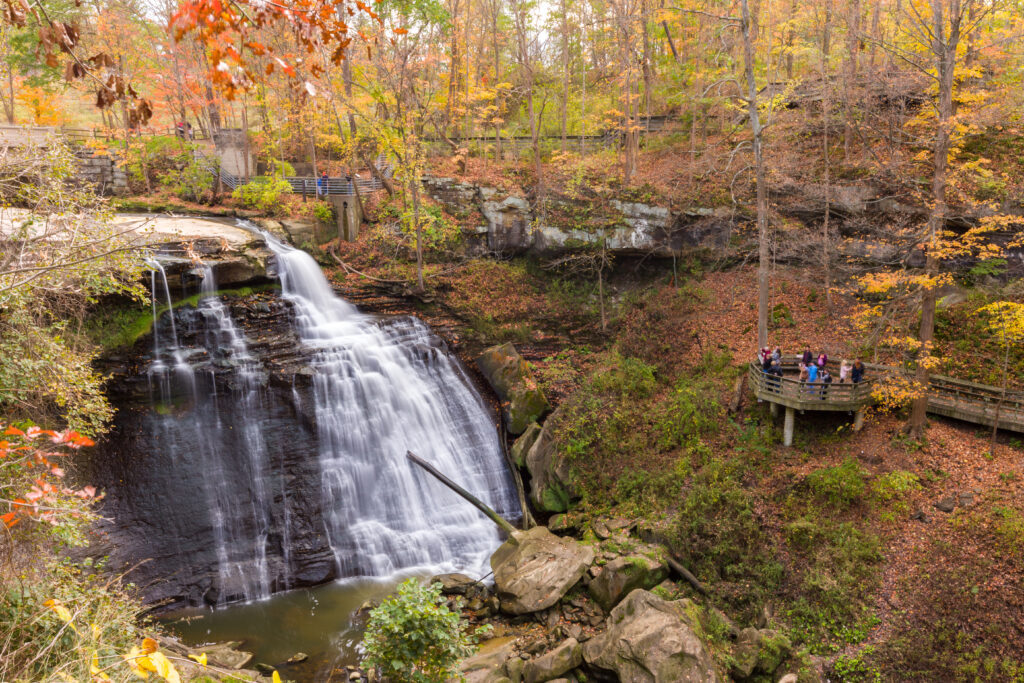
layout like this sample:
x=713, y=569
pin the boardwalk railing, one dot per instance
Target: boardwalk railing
x=307, y=185
x=793, y=392
x=947, y=396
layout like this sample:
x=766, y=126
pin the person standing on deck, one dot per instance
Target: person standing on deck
x=826, y=380
x=807, y=357
x=322, y=186
x=812, y=376
x=857, y=373
x=844, y=371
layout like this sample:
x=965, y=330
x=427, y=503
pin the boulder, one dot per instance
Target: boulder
x=535, y=568
x=551, y=486
x=759, y=651
x=650, y=640
x=566, y=657
x=488, y=664
x=453, y=584
x=522, y=400
x=623, y=575
x=524, y=443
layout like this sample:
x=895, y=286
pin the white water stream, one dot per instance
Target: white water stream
x=381, y=389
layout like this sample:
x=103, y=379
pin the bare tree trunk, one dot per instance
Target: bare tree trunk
x=648, y=72
x=564, y=100
x=415, y=185
x=1002, y=397
x=852, y=47
x=826, y=114
x=763, y=255
x=944, y=48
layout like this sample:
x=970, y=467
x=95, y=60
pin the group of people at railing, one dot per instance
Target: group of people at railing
x=814, y=375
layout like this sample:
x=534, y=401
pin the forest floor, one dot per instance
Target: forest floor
x=841, y=537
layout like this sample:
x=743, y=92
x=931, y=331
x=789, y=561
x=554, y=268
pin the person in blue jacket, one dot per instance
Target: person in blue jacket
x=812, y=376
x=322, y=185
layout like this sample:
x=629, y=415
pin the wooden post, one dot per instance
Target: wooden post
x=858, y=420
x=479, y=504
x=787, y=427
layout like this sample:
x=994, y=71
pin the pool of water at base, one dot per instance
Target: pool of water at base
x=321, y=622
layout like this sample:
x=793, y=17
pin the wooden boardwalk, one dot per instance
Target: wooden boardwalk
x=947, y=396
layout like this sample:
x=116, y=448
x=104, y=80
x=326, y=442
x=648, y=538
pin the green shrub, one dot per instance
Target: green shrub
x=191, y=180
x=323, y=212
x=841, y=485
x=412, y=637
x=836, y=572
x=629, y=377
x=264, y=192
x=892, y=488
x=720, y=538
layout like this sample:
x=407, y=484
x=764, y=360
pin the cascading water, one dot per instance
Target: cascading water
x=380, y=389
x=262, y=447
x=236, y=489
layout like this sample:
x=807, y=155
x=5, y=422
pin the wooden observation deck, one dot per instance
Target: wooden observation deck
x=955, y=398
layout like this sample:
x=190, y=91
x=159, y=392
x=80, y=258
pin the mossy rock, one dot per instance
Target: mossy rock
x=522, y=400
x=524, y=443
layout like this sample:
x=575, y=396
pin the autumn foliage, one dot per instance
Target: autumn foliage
x=32, y=487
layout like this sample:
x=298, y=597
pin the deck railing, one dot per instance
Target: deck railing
x=793, y=390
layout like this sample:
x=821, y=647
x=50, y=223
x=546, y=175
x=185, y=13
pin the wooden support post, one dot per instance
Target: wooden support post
x=858, y=420
x=774, y=408
x=787, y=427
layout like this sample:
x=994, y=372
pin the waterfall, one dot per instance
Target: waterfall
x=263, y=446
x=191, y=425
x=382, y=388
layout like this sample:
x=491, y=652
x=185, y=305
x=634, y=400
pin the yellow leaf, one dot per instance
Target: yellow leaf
x=148, y=645
x=134, y=659
x=276, y=678
x=199, y=658
x=95, y=669
x=62, y=613
x=95, y=631
x=164, y=668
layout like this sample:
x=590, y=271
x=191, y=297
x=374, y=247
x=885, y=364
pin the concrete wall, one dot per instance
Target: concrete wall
x=101, y=171
x=346, y=208
x=231, y=148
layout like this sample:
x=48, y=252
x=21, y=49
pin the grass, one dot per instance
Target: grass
x=119, y=327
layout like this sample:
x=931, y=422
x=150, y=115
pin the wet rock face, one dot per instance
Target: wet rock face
x=212, y=471
x=164, y=491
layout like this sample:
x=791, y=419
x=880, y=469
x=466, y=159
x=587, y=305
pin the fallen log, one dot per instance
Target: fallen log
x=479, y=504
x=685, y=573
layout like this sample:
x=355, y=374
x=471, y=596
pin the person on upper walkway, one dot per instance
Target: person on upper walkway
x=826, y=380
x=844, y=371
x=322, y=185
x=777, y=355
x=822, y=360
x=812, y=376
x=857, y=372
x=775, y=376
x=803, y=371
x=807, y=357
